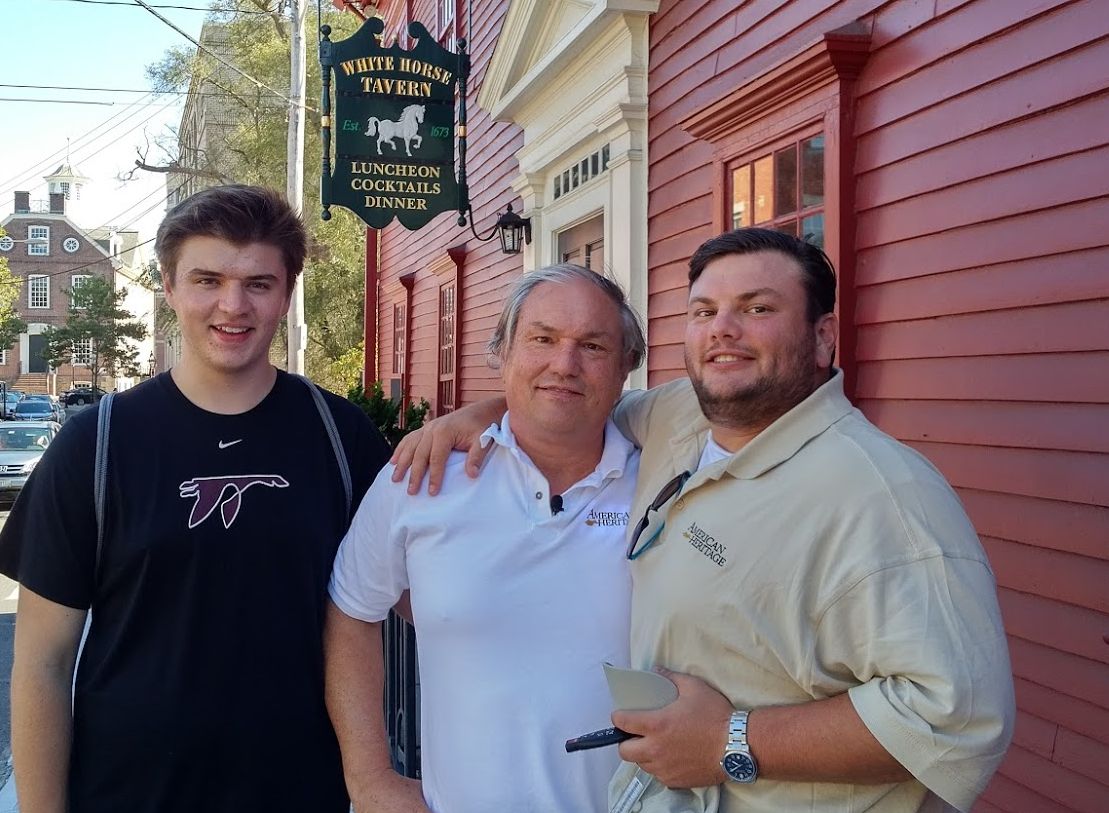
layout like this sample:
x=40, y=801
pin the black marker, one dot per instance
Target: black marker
x=597, y=739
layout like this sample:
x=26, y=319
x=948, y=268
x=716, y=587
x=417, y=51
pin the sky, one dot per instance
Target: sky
x=87, y=45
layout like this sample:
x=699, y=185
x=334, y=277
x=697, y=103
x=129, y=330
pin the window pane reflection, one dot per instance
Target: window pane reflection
x=812, y=229
x=764, y=190
x=741, y=197
x=812, y=171
x=785, y=181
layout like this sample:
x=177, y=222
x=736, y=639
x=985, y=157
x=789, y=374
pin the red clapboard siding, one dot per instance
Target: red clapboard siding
x=1052, y=524
x=1075, y=377
x=1071, y=326
x=1056, y=182
x=936, y=39
x=991, y=58
x=1080, y=477
x=1022, y=283
x=1024, y=93
x=1064, y=577
x=1035, y=734
x=1069, y=788
x=1065, y=628
x=1010, y=796
x=1073, y=427
x=1059, y=707
x=1061, y=132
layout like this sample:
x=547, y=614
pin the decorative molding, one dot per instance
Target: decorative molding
x=449, y=263
x=838, y=56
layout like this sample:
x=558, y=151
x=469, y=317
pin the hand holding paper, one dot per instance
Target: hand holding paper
x=681, y=743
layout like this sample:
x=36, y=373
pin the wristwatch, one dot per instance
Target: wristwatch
x=738, y=763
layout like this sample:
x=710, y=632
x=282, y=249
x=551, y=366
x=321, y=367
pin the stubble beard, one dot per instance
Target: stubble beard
x=760, y=403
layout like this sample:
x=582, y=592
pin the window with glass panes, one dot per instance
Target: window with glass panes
x=38, y=241
x=82, y=352
x=38, y=292
x=400, y=319
x=75, y=282
x=447, y=324
x=783, y=190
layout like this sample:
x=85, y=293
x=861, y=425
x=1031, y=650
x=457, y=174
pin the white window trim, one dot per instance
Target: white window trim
x=31, y=291
x=74, y=285
x=42, y=241
x=3, y=357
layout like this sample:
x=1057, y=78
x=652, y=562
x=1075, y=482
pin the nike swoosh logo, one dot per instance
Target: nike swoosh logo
x=224, y=445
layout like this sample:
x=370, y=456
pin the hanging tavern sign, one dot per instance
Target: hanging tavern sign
x=394, y=127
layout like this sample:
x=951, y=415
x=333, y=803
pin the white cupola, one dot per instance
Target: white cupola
x=68, y=181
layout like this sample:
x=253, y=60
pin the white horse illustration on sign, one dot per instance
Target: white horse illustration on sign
x=405, y=128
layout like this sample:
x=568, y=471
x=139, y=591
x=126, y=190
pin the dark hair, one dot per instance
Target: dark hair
x=634, y=344
x=818, y=276
x=236, y=213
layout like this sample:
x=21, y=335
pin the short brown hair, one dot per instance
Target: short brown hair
x=239, y=214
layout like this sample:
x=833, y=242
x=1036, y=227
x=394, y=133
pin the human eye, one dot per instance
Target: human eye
x=260, y=285
x=702, y=313
x=758, y=309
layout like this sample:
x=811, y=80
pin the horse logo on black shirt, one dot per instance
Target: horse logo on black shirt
x=212, y=493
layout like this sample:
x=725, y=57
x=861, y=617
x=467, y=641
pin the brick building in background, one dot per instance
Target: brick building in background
x=952, y=157
x=51, y=255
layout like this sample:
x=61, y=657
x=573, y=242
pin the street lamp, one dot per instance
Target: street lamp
x=514, y=231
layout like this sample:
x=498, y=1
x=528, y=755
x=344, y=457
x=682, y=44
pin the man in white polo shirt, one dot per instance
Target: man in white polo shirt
x=518, y=581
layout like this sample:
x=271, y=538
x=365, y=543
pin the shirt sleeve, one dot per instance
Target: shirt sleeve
x=370, y=570
x=48, y=543
x=926, y=640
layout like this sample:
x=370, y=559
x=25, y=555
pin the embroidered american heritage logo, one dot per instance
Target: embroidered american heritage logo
x=225, y=493
x=700, y=540
x=606, y=518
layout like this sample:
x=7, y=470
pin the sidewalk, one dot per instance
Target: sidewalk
x=8, y=802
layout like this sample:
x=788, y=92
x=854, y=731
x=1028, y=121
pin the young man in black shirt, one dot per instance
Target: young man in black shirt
x=200, y=685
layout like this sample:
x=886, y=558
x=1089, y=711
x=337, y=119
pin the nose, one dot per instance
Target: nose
x=725, y=324
x=566, y=359
x=233, y=297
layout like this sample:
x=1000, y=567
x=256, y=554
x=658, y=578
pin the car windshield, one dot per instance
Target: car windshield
x=24, y=438
x=32, y=406
x=37, y=398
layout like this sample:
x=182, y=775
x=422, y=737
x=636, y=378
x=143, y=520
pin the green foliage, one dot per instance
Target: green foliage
x=96, y=313
x=10, y=286
x=252, y=149
x=386, y=413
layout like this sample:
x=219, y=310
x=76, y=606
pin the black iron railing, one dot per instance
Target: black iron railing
x=402, y=696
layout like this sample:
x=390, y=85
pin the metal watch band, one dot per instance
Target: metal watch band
x=737, y=731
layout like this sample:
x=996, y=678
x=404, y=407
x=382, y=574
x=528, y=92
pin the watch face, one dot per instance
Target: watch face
x=740, y=767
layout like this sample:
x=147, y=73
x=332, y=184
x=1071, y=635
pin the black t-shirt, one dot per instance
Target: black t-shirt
x=201, y=683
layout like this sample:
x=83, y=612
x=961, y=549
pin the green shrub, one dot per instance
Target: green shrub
x=386, y=413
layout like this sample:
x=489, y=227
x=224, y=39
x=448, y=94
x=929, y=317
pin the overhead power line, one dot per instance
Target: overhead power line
x=221, y=60
x=57, y=101
x=77, y=142
x=131, y=3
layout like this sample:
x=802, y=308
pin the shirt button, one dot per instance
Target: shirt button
x=680, y=504
x=538, y=495
x=637, y=807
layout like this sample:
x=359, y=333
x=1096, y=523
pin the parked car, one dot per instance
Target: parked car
x=35, y=409
x=21, y=446
x=10, y=400
x=82, y=395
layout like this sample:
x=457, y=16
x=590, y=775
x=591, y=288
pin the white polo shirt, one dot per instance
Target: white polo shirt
x=515, y=611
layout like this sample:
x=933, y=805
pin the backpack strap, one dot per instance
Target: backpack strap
x=336, y=442
x=100, y=471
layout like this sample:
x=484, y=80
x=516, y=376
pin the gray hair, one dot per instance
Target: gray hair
x=634, y=343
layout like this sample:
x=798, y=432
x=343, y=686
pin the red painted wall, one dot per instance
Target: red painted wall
x=981, y=300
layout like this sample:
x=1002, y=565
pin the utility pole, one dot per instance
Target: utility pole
x=294, y=188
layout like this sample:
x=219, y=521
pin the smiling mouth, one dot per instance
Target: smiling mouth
x=231, y=331
x=559, y=390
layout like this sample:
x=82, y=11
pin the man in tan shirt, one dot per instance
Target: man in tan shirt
x=822, y=600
